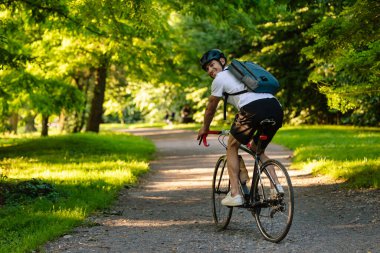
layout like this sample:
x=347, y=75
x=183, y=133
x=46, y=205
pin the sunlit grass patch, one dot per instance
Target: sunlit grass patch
x=348, y=153
x=85, y=170
x=109, y=171
x=365, y=173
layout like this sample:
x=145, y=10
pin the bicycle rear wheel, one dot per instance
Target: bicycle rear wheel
x=274, y=214
x=220, y=187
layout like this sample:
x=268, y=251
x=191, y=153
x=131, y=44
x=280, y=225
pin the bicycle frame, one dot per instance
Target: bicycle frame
x=272, y=208
x=256, y=173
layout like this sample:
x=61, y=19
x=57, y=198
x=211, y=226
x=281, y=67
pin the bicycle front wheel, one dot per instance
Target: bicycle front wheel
x=274, y=213
x=220, y=187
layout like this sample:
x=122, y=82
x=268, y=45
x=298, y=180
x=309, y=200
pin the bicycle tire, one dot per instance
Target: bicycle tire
x=275, y=215
x=220, y=187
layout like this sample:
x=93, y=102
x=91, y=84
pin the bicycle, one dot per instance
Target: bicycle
x=272, y=209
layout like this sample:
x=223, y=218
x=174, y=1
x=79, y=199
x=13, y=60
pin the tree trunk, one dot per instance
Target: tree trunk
x=61, y=121
x=83, y=80
x=45, y=125
x=13, y=122
x=29, y=123
x=96, y=112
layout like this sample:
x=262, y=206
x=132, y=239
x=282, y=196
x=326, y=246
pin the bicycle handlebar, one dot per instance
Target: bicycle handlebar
x=204, y=137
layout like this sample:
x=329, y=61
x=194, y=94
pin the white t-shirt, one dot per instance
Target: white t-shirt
x=226, y=82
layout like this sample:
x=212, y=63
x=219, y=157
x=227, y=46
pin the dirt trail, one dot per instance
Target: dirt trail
x=170, y=211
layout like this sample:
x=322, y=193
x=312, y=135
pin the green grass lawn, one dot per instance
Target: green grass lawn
x=74, y=175
x=348, y=153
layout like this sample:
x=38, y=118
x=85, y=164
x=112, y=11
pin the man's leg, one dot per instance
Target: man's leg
x=271, y=171
x=273, y=174
x=233, y=164
x=264, y=158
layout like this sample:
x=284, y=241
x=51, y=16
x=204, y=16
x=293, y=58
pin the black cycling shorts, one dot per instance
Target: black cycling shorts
x=247, y=121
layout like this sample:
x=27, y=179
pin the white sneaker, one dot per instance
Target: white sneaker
x=233, y=201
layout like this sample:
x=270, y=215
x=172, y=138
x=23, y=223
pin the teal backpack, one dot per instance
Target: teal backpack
x=255, y=78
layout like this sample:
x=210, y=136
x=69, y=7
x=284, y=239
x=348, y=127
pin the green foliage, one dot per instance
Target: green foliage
x=51, y=96
x=279, y=51
x=347, y=153
x=324, y=54
x=67, y=38
x=346, y=58
x=75, y=175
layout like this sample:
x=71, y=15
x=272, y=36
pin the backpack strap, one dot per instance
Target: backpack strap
x=225, y=94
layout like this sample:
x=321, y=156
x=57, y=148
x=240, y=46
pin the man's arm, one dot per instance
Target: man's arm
x=209, y=115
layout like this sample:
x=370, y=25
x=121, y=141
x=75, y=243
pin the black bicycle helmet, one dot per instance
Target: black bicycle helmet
x=213, y=54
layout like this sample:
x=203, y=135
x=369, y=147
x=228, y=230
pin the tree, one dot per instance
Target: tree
x=24, y=38
x=118, y=24
x=279, y=50
x=345, y=58
x=51, y=97
x=102, y=30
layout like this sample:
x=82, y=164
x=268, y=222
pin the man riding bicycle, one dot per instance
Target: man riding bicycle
x=253, y=108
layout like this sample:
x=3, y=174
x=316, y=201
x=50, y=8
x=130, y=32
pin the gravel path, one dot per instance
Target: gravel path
x=170, y=211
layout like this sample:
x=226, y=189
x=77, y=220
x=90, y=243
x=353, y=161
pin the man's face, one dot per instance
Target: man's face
x=214, y=67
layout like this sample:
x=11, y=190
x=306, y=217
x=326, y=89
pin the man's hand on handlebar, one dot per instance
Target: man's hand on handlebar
x=202, y=133
x=202, y=136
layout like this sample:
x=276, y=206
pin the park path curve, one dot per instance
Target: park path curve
x=170, y=210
